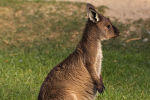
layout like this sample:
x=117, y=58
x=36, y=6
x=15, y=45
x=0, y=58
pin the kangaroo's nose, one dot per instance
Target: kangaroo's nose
x=117, y=33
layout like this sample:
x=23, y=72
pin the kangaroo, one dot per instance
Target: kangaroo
x=78, y=77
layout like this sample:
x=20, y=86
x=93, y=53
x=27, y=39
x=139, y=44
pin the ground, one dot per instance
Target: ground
x=122, y=10
x=36, y=36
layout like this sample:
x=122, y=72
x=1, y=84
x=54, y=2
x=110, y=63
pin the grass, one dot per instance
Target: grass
x=35, y=36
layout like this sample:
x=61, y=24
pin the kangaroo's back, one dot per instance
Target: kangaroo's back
x=68, y=80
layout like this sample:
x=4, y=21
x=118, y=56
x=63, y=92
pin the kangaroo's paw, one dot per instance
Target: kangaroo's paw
x=101, y=88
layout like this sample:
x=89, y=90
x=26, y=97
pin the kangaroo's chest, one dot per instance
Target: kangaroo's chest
x=99, y=57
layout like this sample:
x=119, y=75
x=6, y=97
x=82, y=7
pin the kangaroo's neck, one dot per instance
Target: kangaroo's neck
x=90, y=40
x=91, y=33
x=90, y=46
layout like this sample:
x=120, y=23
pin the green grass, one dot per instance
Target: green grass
x=36, y=36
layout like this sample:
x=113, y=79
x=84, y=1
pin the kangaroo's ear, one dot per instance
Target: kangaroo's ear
x=92, y=14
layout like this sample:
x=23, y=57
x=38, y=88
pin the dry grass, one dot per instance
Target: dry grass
x=20, y=23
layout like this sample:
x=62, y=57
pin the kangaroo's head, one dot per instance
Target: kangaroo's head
x=103, y=24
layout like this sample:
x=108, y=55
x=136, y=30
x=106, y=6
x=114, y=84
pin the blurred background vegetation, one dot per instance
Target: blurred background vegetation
x=37, y=35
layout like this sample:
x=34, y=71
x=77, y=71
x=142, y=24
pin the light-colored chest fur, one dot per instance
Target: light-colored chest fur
x=99, y=57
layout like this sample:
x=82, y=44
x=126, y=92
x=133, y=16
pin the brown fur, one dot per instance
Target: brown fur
x=76, y=77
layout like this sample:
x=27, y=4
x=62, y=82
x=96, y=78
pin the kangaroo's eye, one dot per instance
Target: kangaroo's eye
x=108, y=26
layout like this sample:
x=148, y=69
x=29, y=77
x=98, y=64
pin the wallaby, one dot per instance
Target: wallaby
x=78, y=77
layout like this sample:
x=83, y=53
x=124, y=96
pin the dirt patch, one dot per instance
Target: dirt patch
x=122, y=10
x=6, y=17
